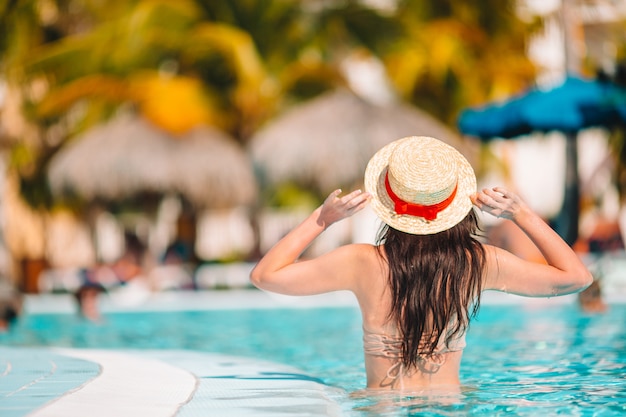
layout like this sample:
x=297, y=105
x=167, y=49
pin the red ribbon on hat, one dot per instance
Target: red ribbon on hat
x=428, y=212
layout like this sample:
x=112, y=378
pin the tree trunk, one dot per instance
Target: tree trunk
x=566, y=223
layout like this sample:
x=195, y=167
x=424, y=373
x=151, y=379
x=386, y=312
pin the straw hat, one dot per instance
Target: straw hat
x=420, y=185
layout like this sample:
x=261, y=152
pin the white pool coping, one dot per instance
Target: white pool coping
x=162, y=383
x=127, y=384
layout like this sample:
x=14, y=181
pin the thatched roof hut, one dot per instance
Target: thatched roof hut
x=128, y=156
x=327, y=142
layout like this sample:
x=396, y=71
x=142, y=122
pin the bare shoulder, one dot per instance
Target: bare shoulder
x=368, y=263
x=360, y=256
x=363, y=252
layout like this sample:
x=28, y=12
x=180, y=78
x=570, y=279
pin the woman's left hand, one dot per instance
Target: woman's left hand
x=336, y=208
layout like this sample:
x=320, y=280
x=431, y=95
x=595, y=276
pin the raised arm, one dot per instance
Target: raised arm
x=278, y=270
x=565, y=272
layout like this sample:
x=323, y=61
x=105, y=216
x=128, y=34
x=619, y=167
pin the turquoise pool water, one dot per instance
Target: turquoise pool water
x=521, y=360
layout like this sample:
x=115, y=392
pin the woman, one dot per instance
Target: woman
x=420, y=285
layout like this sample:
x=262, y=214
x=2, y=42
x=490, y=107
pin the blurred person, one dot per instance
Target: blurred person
x=87, y=297
x=420, y=285
x=125, y=271
x=130, y=265
x=604, y=236
x=600, y=236
x=590, y=300
x=11, y=302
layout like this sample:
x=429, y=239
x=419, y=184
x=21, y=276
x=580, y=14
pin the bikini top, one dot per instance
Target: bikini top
x=390, y=346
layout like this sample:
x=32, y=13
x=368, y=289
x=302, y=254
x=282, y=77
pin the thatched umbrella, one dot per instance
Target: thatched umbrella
x=128, y=156
x=327, y=142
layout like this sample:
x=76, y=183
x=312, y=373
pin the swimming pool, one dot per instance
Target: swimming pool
x=523, y=359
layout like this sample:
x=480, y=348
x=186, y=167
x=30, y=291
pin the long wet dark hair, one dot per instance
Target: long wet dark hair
x=435, y=283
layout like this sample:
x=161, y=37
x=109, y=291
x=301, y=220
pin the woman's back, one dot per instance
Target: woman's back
x=382, y=335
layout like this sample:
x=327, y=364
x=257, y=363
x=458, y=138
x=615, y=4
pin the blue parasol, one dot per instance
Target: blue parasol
x=574, y=105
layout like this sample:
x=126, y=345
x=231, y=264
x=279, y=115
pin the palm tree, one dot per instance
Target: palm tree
x=458, y=54
x=160, y=56
x=217, y=61
x=303, y=44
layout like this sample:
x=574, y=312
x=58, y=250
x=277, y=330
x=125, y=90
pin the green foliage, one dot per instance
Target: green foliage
x=351, y=25
x=458, y=54
x=289, y=195
x=33, y=182
x=35, y=191
x=19, y=32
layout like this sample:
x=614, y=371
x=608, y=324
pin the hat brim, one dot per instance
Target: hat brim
x=383, y=206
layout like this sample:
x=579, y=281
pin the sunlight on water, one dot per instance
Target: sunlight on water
x=523, y=361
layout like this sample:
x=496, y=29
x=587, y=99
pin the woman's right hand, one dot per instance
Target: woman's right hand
x=499, y=202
